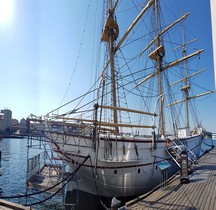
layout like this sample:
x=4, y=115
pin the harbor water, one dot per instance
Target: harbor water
x=13, y=180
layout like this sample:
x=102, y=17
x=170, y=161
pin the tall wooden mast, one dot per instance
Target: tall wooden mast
x=112, y=66
x=186, y=87
x=110, y=34
x=159, y=57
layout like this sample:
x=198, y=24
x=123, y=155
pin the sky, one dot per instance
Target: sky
x=47, y=46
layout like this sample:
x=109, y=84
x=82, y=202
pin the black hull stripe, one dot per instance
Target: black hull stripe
x=123, y=139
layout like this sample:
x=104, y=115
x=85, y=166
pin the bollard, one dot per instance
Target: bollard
x=184, y=168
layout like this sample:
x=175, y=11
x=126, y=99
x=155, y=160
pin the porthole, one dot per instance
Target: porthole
x=115, y=171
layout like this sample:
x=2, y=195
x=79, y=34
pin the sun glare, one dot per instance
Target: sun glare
x=6, y=11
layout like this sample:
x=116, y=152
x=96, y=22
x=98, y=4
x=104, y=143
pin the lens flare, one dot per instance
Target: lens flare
x=6, y=11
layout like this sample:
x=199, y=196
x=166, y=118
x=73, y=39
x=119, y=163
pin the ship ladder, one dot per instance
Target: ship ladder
x=175, y=151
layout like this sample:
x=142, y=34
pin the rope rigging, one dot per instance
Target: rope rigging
x=79, y=51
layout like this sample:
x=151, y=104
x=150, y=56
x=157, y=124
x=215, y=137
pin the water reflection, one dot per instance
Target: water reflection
x=14, y=160
x=14, y=168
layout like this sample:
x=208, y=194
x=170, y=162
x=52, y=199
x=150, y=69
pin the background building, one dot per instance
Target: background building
x=6, y=122
x=23, y=126
x=15, y=125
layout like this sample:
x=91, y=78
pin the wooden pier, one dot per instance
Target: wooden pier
x=7, y=205
x=199, y=193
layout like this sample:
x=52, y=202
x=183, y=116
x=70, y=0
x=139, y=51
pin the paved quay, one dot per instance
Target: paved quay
x=198, y=194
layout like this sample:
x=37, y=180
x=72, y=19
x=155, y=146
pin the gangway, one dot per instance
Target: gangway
x=45, y=169
x=174, y=150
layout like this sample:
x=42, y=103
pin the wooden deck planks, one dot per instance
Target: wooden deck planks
x=199, y=193
x=205, y=203
x=175, y=196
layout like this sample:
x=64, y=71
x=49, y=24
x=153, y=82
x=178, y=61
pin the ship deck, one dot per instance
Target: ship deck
x=199, y=193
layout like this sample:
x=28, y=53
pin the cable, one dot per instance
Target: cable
x=79, y=51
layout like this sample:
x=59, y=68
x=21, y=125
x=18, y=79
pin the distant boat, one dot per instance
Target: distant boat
x=133, y=121
x=214, y=136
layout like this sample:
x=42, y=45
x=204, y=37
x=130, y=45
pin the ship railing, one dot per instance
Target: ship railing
x=174, y=155
x=191, y=155
x=176, y=149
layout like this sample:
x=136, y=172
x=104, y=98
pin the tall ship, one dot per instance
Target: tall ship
x=138, y=114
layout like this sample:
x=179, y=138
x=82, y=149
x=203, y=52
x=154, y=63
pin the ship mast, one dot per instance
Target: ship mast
x=186, y=87
x=112, y=65
x=157, y=56
x=160, y=54
x=110, y=34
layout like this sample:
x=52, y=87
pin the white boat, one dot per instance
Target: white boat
x=131, y=120
x=213, y=136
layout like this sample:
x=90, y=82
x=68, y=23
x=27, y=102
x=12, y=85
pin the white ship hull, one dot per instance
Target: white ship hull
x=116, y=172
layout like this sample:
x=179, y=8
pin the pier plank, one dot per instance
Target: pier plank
x=213, y=203
x=199, y=193
x=210, y=197
x=7, y=205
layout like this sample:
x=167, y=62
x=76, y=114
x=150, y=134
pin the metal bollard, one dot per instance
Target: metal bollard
x=184, y=167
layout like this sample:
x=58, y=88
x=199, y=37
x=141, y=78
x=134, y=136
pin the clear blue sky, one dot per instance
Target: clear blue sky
x=41, y=39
